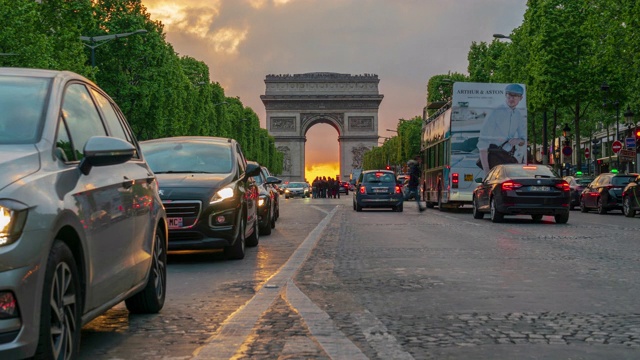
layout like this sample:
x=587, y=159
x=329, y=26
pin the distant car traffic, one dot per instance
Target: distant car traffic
x=267, y=200
x=604, y=193
x=297, y=189
x=377, y=189
x=82, y=227
x=577, y=184
x=519, y=189
x=208, y=191
x=344, y=187
x=631, y=198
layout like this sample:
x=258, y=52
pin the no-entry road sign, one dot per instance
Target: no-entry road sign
x=616, y=146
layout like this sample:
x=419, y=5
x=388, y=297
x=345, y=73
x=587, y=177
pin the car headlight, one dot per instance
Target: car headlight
x=262, y=200
x=13, y=216
x=223, y=194
x=287, y=190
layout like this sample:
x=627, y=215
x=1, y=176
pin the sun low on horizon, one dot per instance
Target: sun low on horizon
x=321, y=170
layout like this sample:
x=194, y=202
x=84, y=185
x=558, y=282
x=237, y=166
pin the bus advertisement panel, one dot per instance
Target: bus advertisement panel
x=485, y=125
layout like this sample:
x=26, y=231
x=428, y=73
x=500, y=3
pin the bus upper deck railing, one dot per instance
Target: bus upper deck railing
x=444, y=108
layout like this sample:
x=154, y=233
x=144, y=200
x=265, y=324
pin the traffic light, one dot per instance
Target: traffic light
x=637, y=132
x=388, y=167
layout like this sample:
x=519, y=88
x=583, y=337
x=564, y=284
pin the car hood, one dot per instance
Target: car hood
x=191, y=185
x=17, y=161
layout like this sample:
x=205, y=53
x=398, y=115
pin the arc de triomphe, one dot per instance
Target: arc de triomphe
x=295, y=103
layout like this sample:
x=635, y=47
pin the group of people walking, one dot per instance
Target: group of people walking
x=323, y=187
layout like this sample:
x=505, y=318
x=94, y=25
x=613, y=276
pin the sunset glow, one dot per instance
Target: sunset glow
x=321, y=169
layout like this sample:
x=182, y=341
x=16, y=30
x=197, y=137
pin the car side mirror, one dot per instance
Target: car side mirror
x=105, y=151
x=252, y=170
x=479, y=180
x=273, y=180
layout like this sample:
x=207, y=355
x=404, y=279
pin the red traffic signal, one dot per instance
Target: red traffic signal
x=388, y=167
x=637, y=134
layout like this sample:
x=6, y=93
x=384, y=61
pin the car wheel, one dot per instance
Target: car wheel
x=254, y=238
x=236, y=250
x=476, y=212
x=60, y=322
x=601, y=208
x=151, y=299
x=536, y=217
x=266, y=229
x=562, y=218
x=354, y=205
x=583, y=207
x=496, y=216
x=627, y=209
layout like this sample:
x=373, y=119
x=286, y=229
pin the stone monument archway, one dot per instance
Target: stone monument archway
x=295, y=103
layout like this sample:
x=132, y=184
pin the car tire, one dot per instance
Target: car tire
x=237, y=250
x=562, y=218
x=536, y=217
x=601, y=209
x=477, y=214
x=496, y=216
x=266, y=229
x=627, y=209
x=61, y=291
x=354, y=205
x=151, y=299
x=583, y=207
x=254, y=238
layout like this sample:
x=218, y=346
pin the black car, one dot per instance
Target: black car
x=377, y=189
x=631, y=198
x=605, y=192
x=275, y=189
x=577, y=184
x=519, y=189
x=266, y=200
x=208, y=191
x=344, y=187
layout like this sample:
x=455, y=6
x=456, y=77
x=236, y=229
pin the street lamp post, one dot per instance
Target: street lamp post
x=501, y=36
x=96, y=41
x=567, y=143
x=605, y=89
x=628, y=117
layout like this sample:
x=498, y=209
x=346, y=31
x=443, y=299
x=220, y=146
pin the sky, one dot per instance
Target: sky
x=404, y=42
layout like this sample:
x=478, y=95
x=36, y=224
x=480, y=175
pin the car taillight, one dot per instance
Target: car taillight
x=564, y=186
x=510, y=185
x=398, y=189
x=362, y=190
x=454, y=180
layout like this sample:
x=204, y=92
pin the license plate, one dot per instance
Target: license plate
x=380, y=190
x=174, y=223
x=539, y=188
x=468, y=177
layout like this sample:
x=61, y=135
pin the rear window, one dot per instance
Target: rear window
x=584, y=181
x=528, y=171
x=379, y=177
x=621, y=180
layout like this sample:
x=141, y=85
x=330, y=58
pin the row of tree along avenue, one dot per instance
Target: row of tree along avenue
x=161, y=93
x=579, y=61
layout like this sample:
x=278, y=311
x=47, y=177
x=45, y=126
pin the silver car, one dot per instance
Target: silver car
x=82, y=227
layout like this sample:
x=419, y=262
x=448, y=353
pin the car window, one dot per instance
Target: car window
x=621, y=180
x=22, y=103
x=81, y=118
x=528, y=171
x=188, y=157
x=113, y=121
x=583, y=181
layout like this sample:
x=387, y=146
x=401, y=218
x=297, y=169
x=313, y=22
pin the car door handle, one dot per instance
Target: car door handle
x=127, y=183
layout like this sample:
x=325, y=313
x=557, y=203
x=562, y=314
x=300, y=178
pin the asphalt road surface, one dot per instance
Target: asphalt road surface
x=332, y=283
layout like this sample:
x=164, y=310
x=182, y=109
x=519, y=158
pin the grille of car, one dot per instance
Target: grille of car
x=183, y=208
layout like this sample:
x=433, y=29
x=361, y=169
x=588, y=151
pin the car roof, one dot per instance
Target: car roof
x=212, y=139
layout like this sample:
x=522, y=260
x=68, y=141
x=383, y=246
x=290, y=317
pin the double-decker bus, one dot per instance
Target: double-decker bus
x=479, y=114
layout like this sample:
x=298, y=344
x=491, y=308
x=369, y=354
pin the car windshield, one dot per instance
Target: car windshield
x=379, y=177
x=296, y=185
x=584, y=181
x=188, y=157
x=528, y=171
x=621, y=180
x=22, y=104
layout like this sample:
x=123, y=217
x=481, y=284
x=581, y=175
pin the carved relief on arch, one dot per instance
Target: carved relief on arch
x=358, y=155
x=307, y=119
